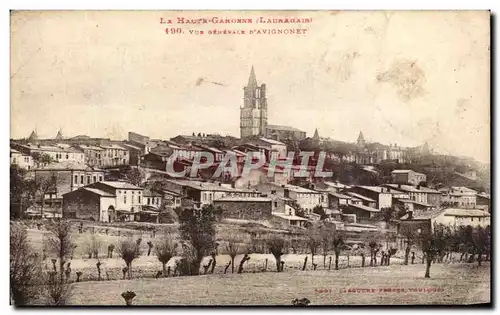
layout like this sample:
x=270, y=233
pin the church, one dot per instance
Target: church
x=253, y=115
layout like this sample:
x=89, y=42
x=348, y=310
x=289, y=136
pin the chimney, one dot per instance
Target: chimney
x=286, y=193
x=220, y=184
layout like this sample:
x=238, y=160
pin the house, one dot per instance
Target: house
x=366, y=201
x=336, y=186
x=104, y=201
x=23, y=161
x=453, y=217
x=135, y=152
x=414, y=192
x=217, y=154
x=483, y=201
x=58, y=153
x=460, y=197
x=171, y=199
x=93, y=154
x=408, y=177
x=114, y=155
x=249, y=208
x=381, y=195
x=361, y=211
x=337, y=200
x=306, y=199
x=463, y=217
x=279, y=132
x=204, y=193
x=277, y=150
x=151, y=198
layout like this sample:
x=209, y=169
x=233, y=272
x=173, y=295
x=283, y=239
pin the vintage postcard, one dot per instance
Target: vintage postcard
x=293, y=158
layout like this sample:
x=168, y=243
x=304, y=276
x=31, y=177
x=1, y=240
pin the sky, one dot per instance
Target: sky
x=399, y=77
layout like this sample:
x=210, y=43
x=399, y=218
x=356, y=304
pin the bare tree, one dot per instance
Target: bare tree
x=93, y=246
x=433, y=243
x=165, y=250
x=276, y=245
x=313, y=241
x=233, y=249
x=129, y=250
x=60, y=242
x=338, y=245
x=25, y=268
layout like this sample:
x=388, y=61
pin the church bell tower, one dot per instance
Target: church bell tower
x=253, y=113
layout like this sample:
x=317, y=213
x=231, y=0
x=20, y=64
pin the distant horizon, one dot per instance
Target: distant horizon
x=376, y=72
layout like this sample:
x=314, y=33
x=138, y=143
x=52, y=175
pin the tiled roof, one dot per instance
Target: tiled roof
x=271, y=141
x=120, y=185
x=98, y=192
x=68, y=166
x=465, y=212
x=340, y=196
x=244, y=199
x=283, y=128
x=360, y=197
x=370, y=209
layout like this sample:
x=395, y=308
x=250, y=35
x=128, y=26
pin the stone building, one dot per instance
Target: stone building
x=253, y=115
x=249, y=208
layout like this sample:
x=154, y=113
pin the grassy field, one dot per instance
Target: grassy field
x=454, y=283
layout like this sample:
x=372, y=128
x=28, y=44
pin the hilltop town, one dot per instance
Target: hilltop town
x=381, y=200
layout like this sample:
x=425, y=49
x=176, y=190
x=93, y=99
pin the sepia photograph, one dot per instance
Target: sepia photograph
x=250, y=158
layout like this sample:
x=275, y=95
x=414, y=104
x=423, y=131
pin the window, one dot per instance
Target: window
x=157, y=201
x=76, y=179
x=149, y=201
x=88, y=179
x=138, y=199
x=81, y=179
x=100, y=178
x=275, y=204
x=67, y=156
x=124, y=199
x=204, y=197
x=94, y=179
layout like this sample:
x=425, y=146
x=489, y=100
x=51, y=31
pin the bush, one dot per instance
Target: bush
x=25, y=268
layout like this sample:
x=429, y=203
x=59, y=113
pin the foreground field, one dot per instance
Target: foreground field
x=450, y=284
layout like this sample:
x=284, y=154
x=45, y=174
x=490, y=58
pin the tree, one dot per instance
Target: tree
x=165, y=250
x=42, y=159
x=60, y=242
x=327, y=232
x=319, y=210
x=45, y=185
x=129, y=250
x=433, y=243
x=276, y=245
x=410, y=237
x=233, y=249
x=313, y=241
x=134, y=176
x=373, y=251
x=198, y=227
x=25, y=268
x=337, y=244
x=22, y=192
x=481, y=241
x=387, y=214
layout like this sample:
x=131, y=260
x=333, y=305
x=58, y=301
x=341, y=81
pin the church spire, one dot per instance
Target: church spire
x=361, y=139
x=33, y=136
x=59, y=135
x=316, y=134
x=252, y=80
